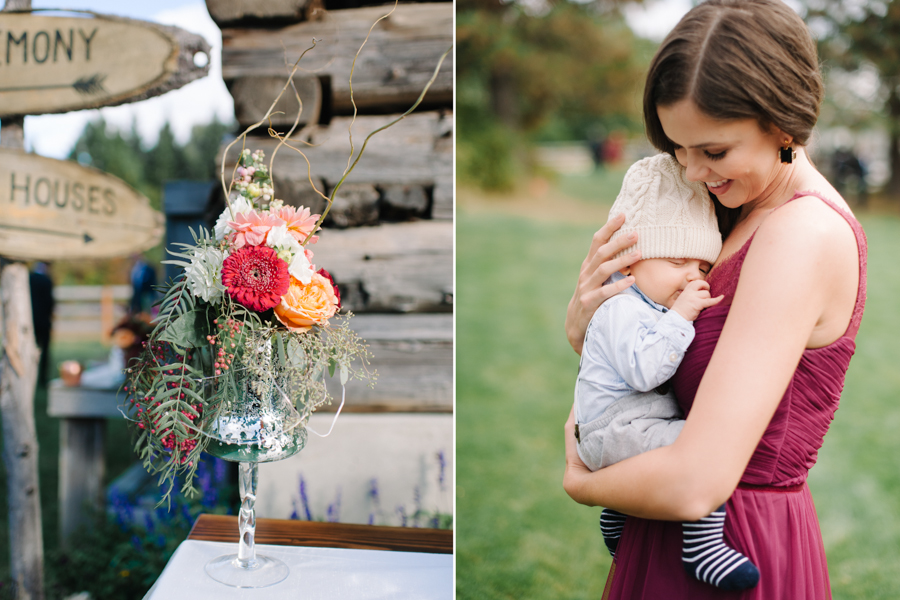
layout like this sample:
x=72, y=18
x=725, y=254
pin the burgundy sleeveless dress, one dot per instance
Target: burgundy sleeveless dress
x=770, y=516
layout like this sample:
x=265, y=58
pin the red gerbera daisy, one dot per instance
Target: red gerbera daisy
x=256, y=277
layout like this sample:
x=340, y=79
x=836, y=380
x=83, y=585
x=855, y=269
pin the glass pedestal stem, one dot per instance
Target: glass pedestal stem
x=246, y=569
x=248, y=477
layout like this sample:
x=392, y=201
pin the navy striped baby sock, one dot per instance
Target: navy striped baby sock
x=611, y=525
x=706, y=557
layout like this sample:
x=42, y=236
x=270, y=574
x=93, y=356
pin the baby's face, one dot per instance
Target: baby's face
x=663, y=279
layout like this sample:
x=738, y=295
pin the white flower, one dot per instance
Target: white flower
x=290, y=251
x=300, y=268
x=204, y=274
x=279, y=239
x=239, y=204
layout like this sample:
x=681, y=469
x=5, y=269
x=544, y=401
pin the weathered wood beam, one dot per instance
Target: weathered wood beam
x=18, y=376
x=226, y=12
x=254, y=95
x=413, y=356
x=280, y=12
x=394, y=267
x=393, y=68
x=410, y=152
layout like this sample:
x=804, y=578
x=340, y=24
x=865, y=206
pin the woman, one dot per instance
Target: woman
x=733, y=93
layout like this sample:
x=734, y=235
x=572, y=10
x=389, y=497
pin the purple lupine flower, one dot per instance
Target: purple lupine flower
x=442, y=462
x=148, y=522
x=373, y=490
x=334, y=510
x=402, y=512
x=435, y=522
x=304, y=500
x=136, y=542
x=294, y=516
x=207, y=490
x=220, y=469
x=186, y=513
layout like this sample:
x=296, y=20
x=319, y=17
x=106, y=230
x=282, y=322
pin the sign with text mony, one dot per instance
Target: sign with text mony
x=57, y=210
x=56, y=64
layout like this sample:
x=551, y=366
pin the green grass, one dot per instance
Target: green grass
x=518, y=534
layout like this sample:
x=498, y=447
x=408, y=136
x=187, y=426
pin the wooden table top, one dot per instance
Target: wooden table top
x=224, y=528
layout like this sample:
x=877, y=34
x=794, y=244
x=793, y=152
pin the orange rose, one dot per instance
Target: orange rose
x=306, y=305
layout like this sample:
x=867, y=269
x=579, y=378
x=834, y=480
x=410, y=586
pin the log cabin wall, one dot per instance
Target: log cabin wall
x=388, y=239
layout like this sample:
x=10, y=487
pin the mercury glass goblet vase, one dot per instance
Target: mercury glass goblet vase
x=256, y=424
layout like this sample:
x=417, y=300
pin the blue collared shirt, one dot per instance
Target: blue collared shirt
x=632, y=345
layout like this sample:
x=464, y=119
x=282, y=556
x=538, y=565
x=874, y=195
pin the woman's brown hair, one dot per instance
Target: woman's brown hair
x=737, y=59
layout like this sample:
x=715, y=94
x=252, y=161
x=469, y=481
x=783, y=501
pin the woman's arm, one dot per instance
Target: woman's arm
x=799, y=257
x=590, y=292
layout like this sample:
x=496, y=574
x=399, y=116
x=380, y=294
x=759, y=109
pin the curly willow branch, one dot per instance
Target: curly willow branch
x=266, y=117
x=349, y=170
x=283, y=139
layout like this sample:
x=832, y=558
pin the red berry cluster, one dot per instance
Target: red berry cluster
x=226, y=339
x=163, y=353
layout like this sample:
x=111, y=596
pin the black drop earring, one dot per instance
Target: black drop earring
x=788, y=154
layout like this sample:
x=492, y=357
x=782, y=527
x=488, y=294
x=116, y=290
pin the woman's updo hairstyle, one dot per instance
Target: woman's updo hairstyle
x=738, y=59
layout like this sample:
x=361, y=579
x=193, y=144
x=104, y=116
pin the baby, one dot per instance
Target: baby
x=637, y=339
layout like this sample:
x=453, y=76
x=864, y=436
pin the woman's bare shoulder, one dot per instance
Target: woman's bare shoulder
x=810, y=221
x=806, y=250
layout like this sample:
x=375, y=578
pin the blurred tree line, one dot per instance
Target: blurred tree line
x=145, y=168
x=541, y=70
x=863, y=37
x=527, y=72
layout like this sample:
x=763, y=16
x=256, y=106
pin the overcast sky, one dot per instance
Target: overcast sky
x=195, y=103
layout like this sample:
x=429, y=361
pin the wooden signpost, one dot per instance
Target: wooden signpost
x=52, y=209
x=58, y=64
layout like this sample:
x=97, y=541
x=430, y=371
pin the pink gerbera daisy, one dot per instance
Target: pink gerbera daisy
x=299, y=222
x=256, y=277
x=250, y=228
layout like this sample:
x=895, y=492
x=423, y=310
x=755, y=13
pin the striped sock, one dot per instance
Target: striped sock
x=611, y=525
x=706, y=557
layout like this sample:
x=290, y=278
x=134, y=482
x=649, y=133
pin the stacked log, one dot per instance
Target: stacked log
x=388, y=237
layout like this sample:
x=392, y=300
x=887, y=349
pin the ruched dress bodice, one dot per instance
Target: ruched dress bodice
x=770, y=517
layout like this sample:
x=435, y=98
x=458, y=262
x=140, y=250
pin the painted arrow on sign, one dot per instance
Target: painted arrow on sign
x=52, y=64
x=58, y=210
x=84, y=85
x=82, y=236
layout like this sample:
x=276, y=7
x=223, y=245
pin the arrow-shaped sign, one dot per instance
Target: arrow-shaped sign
x=83, y=85
x=87, y=239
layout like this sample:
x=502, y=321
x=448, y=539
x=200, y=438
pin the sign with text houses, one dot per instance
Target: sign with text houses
x=54, y=209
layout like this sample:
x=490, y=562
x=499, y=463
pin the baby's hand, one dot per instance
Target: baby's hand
x=694, y=298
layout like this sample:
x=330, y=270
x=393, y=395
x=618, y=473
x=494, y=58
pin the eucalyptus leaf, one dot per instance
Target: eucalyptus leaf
x=295, y=353
x=186, y=330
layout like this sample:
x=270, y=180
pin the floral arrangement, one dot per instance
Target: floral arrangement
x=248, y=285
x=251, y=316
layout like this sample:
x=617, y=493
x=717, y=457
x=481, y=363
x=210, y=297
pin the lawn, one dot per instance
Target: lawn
x=518, y=534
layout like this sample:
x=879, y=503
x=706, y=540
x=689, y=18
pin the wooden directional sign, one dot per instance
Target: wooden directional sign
x=55, y=209
x=52, y=64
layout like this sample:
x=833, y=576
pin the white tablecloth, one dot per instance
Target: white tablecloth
x=332, y=573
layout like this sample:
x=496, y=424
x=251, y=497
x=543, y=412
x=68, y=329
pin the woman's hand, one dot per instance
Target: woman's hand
x=576, y=470
x=590, y=292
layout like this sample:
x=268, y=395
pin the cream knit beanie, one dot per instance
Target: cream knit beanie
x=674, y=217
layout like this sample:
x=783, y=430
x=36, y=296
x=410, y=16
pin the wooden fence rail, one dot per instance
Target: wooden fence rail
x=88, y=312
